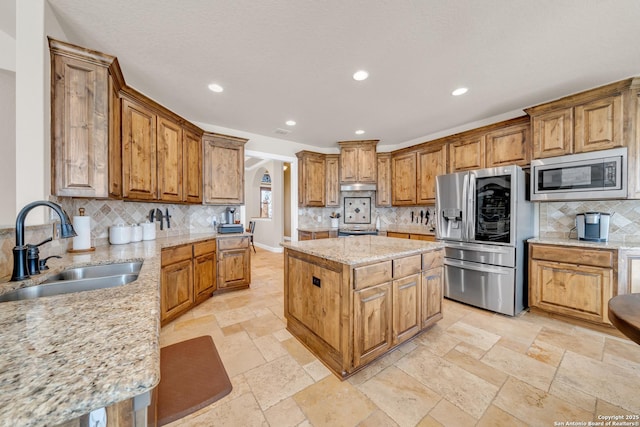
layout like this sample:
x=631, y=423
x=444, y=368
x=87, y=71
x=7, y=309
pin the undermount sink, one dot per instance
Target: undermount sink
x=79, y=279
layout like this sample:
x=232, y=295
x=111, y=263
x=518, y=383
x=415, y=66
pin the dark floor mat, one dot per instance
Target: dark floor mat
x=191, y=377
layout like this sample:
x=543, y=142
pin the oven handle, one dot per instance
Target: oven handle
x=476, y=267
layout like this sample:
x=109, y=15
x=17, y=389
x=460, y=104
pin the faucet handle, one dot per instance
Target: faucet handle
x=29, y=245
x=43, y=262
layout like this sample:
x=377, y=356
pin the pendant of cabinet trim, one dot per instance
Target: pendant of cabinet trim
x=224, y=169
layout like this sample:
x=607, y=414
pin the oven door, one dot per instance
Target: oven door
x=481, y=285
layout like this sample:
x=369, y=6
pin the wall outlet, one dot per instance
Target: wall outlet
x=319, y=218
x=55, y=233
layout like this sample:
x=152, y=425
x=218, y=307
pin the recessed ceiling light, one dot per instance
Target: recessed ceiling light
x=359, y=132
x=459, y=91
x=290, y=122
x=360, y=75
x=214, y=87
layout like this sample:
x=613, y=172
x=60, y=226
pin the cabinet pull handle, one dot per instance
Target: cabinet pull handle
x=375, y=296
x=407, y=285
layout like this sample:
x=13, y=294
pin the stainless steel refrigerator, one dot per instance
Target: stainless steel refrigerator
x=484, y=220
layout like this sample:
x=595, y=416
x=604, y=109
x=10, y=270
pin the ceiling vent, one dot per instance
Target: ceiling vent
x=281, y=131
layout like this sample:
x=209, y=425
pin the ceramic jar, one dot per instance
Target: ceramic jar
x=148, y=230
x=119, y=234
x=136, y=232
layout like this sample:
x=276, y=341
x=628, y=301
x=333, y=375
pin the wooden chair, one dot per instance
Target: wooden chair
x=252, y=227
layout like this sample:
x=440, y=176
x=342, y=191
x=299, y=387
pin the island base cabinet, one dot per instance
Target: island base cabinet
x=406, y=304
x=372, y=323
x=432, y=285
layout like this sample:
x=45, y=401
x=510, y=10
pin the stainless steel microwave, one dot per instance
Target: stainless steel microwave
x=594, y=175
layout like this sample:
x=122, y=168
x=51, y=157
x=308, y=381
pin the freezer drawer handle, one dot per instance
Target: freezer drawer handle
x=465, y=266
x=496, y=250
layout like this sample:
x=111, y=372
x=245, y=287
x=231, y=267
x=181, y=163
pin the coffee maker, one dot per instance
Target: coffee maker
x=230, y=215
x=593, y=226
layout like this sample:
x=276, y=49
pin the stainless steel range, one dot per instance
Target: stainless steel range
x=484, y=219
x=357, y=231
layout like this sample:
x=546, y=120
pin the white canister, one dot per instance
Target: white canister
x=148, y=230
x=136, y=232
x=119, y=234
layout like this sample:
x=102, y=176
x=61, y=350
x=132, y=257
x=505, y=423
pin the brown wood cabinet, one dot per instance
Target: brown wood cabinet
x=332, y=175
x=313, y=235
x=170, y=161
x=223, y=169
x=432, y=287
x=414, y=236
x=83, y=140
x=467, y=153
x=572, y=281
x=358, y=162
x=372, y=323
x=234, y=263
x=192, y=166
x=596, y=119
x=187, y=278
x=414, y=174
x=404, y=169
x=432, y=161
x=139, y=168
x=383, y=186
x=312, y=187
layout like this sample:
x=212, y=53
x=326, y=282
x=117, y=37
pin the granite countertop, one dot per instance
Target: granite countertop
x=66, y=355
x=315, y=229
x=356, y=250
x=585, y=244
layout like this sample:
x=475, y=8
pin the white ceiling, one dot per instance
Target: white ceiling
x=293, y=59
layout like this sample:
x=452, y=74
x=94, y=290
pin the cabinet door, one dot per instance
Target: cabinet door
x=552, y=133
x=348, y=164
x=431, y=163
x=599, y=125
x=115, y=141
x=176, y=289
x=432, y=293
x=170, y=162
x=367, y=164
x=312, y=181
x=383, y=192
x=224, y=170
x=576, y=290
x=305, y=235
x=403, y=179
x=406, y=308
x=192, y=167
x=80, y=124
x=138, y=152
x=372, y=319
x=467, y=154
x=333, y=180
x=234, y=268
x=508, y=146
x=204, y=276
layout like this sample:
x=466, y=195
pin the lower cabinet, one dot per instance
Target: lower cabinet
x=234, y=263
x=412, y=236
x=572, y=281
x=372, y=321
x=187, y=277
x=313, y=235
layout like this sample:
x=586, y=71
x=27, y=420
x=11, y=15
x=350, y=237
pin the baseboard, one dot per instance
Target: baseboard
x=269, y=248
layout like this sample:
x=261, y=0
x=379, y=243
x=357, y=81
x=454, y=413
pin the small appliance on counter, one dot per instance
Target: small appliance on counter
x=232, y=224
x=593, y=226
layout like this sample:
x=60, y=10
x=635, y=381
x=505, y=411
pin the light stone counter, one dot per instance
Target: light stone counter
x=66, y=355
x=585, y=244
x=356, y=250
x=411, y=229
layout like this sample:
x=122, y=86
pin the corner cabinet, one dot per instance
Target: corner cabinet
x=575, y=282
x=223, y=169
x=84, y=128
x=358, y=162
x=333, y=180
x=383, y=187
x=312, y=187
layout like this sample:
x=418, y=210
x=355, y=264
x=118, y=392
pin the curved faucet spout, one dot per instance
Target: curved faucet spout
x=20, y=269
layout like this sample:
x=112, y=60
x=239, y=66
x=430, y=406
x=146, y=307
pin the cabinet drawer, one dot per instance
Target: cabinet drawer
x=432, y=259
x=176, y=254
x=405, y=266
x=578, y=256
x=321, y=234
x=233, y=243
x=203, y=248
x=373, y=274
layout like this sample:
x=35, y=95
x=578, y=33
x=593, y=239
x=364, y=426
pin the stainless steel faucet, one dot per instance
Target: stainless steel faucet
x=20, y=251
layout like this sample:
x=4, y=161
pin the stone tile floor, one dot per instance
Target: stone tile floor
x=474, y=368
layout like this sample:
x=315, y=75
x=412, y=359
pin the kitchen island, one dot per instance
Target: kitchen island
x=351, y=300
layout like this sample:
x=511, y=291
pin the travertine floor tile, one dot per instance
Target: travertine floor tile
x=277, y=380
x=496, y=417
x=472, y=335
x=624, y=349
x=546, y=353
x=476, y=367
x=589, y=345
x=284, y=414
x=437, y=341
x=230, y=317
x=298, y=351
x=428, y=421
x=378, y=419
x=400, y=396
x=520, y=366
x=467, y=391
x=614, y=384
x=449, y=415
x=604, y=409
x=317, y=370
x=263, y=325
x=241, y=411
x=536, y=406
x=270, y=347
x=572, y=395
x=238, y=353
x=332, y=403
x=376, y=367
x=470, y=350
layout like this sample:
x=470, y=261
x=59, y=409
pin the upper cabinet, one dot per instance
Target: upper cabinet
x=593, y=120
x=404, y=169
x=499, y=144
x=358, y=162
x=223, y=169
x=161, y=153
x=431, y=161
x=312, y=169
x=383, y=186
x=413, y=174
x=84, y=133
x=333, y=180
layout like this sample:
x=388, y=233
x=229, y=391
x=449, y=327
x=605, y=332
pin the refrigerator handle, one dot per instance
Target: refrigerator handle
x=471, y=208
x=465, y=216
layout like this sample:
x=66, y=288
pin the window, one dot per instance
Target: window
x=265, y=196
